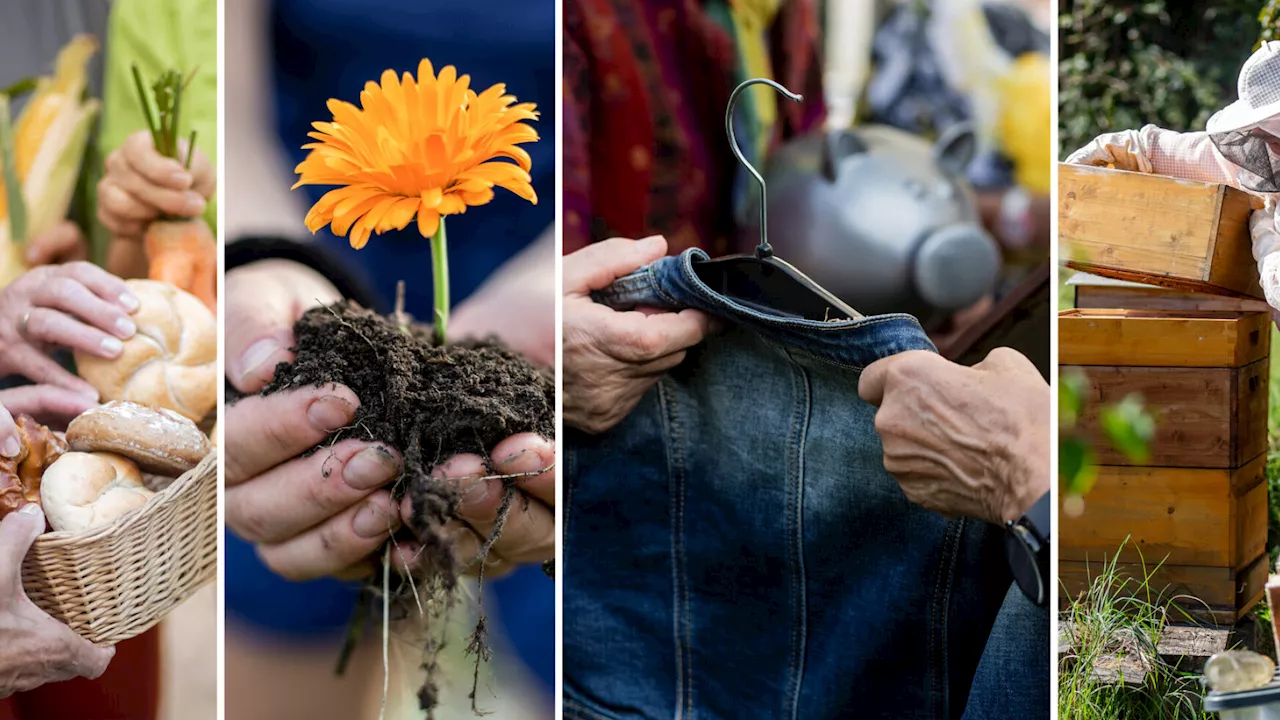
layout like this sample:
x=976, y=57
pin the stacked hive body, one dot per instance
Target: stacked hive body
x=1195, y=515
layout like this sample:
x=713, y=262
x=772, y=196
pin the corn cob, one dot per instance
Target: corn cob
x=48, y=142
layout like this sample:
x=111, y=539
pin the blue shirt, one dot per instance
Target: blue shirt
x=329, y=49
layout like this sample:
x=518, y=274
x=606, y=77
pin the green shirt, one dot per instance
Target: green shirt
x=160, y=36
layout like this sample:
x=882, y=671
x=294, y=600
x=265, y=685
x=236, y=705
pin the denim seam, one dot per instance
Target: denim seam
x=823, y=358
x=629, y=284
x=795, y=541
x=568, y=505
x=574, y=710
x=938, y=624
x=660, y=289
x=680, y=599
x=954, y=552
x=933, y=629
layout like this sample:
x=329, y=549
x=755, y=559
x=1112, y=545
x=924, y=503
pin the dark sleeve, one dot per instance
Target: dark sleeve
x=347, y=280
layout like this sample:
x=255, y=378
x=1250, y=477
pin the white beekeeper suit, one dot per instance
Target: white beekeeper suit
x=1240, y=147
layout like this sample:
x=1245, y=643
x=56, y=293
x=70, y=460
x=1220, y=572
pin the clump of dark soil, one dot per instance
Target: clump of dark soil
x=430, y=402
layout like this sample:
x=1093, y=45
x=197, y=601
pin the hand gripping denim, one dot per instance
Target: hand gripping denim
x=734, y=548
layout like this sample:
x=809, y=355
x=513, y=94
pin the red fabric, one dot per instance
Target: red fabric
x=128, y=690
x=645, y=88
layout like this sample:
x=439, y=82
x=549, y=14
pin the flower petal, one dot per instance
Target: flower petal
x=428, y=222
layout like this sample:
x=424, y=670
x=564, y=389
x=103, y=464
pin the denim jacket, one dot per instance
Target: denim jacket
x=735, y=548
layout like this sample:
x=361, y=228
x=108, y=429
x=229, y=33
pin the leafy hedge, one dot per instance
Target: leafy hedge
x=1126, y=64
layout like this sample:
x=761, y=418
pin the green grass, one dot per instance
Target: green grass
x=1122, y=618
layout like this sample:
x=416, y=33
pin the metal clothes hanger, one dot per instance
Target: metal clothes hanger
x=762, y=280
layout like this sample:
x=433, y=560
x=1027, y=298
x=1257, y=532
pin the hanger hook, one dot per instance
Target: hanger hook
x=763, y=250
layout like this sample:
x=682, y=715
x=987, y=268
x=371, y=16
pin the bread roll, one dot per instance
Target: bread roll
x=87, y=490
x=170, y=363
x=160, y=441
x=20, y=477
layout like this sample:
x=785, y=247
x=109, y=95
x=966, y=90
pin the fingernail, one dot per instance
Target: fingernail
x=513, y=457
x=129, y=301
x=181, y=179
x=11, y=448
x=256, y=355
x=373, y=521
x=30, y=509
x=111, y=346
x=370, y=468
x=126, y=327
x=195, y=203
x=330, y=413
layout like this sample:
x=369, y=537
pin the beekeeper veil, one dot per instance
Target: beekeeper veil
x=1247, y=132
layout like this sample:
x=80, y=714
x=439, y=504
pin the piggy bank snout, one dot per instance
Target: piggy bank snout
x=955, y=266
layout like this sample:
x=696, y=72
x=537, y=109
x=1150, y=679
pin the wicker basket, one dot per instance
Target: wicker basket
x=114, y=582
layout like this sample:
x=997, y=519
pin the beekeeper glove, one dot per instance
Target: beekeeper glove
x=1122, y=149
x=1266, y=251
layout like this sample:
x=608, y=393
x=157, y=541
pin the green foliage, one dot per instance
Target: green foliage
x=1127, y=425
x=1126, y=64
x=1270, y=19
x=1130, y=428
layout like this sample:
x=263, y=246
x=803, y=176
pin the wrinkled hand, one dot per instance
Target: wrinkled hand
x=1121, y=149
x=309, y=516
x=612, y=358
x=140, y=184
x=528, y=534
x=264, y=300
x=962, y=441
x=35, y=649
x=48, y=404
x=64, y=243
x=77, y=306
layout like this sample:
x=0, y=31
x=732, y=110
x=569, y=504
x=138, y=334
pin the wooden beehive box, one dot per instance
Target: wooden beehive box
x=1156, y=230
x=1198, y=509
x=1097, y=292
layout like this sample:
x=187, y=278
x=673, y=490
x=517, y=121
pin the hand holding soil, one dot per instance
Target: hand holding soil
x=612, y=358
x=963, y=441
x=264, y=300
x=35, y=649
x=527, y=534
x=77, y=306
x=317, y=514
x=141, y=185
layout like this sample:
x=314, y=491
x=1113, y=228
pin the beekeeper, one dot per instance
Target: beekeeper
x=1239, y=147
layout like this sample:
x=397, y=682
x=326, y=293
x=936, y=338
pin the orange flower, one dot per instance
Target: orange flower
x=424, y=148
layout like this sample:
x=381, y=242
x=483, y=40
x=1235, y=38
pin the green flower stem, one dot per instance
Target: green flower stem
x=440, y=282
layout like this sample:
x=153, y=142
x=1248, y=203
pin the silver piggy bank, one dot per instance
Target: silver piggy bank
x=882, y=219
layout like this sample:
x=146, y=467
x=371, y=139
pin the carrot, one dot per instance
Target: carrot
x=184, y=254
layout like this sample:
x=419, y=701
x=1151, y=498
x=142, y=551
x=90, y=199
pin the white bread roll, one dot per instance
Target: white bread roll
x=88, y=490
x=170, y=363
